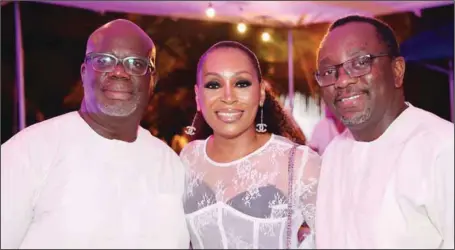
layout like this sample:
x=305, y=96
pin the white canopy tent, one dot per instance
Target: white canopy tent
x=281, y=14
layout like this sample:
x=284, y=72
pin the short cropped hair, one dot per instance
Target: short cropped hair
x=385, y=32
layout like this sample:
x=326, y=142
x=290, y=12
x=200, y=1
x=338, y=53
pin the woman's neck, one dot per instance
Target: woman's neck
x=222, y=149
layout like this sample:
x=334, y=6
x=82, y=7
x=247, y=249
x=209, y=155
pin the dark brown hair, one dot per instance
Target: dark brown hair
x=384, y=31
x=278, y=122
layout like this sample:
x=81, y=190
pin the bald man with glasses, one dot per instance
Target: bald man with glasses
x=94, y=178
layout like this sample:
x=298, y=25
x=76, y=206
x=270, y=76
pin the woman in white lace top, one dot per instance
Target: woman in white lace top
x=237, y=166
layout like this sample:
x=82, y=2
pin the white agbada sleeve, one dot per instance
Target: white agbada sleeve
x=23, y=169
x=441, y=204
x=174, y=226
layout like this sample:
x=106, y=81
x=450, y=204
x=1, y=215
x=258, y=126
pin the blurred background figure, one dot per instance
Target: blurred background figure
x=326, y=129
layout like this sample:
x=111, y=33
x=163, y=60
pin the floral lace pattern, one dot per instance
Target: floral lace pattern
x=243, y=204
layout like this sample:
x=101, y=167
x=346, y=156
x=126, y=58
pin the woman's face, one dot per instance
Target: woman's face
x=228, y=92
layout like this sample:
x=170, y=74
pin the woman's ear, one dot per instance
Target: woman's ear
x=196, y=88
x=263, y=94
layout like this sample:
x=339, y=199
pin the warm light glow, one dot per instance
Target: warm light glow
x=210, y=12
x=265, y=37
x=241, y=27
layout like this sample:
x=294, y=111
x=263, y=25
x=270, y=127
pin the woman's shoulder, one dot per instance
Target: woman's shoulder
x=281, y=140
x=192, y=147
x=302, y=151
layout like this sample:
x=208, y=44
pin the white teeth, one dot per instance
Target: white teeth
x=228, y=114
x=350, y=98
x=229, y=117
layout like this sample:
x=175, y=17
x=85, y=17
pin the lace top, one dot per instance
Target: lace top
x=243, y=204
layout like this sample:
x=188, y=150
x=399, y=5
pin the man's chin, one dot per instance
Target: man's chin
x=118, y=110
x=355, y=120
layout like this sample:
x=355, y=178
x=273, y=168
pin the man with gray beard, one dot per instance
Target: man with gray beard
x=388, y=180
x=94, y=178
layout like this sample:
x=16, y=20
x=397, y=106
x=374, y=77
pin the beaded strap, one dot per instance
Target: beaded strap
x=290, y=196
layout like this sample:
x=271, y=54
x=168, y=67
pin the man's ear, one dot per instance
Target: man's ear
x=398, y=67
x=83, y=72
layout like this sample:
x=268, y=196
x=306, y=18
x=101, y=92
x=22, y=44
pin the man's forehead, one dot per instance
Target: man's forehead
x=119, y=42
x=129, y=40
x=350, y=39
x=123, y=50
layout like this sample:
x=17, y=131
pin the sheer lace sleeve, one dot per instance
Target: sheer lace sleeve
x=307, y=178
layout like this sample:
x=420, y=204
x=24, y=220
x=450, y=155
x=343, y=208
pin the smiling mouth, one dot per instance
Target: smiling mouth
x=118, y=95
x=352, y=102
x=351, y=98
x=229, y=116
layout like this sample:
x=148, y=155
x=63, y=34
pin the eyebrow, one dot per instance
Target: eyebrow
x=356, y=52
x=326, y=61
x=128, y=52
x=235, y=74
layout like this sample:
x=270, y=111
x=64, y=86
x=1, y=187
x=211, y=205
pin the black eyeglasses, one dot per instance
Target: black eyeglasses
x=354, y=67
x=133, y=65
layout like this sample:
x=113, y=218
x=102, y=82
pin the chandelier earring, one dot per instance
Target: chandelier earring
x=261, y=127
x=190, y=130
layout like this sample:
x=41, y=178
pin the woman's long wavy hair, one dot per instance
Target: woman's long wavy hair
x=277, y=120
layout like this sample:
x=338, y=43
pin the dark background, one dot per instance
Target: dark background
x=54, y=40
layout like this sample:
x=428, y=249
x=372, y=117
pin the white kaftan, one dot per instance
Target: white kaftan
x=394, y=192
x=65, y=186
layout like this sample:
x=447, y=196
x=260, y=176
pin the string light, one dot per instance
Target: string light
x=265, y=36
x=241, y=27
x=210, y=11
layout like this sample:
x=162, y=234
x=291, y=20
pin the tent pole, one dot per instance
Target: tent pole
x=291, y=70
x=451, y=89
x=19, y=67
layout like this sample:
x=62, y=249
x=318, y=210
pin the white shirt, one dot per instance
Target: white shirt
x=243, y=204
x=65, y=186
x=394, y=192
